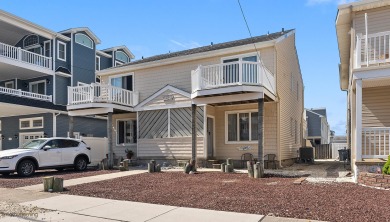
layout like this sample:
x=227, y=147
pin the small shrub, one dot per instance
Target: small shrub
x=386, y=167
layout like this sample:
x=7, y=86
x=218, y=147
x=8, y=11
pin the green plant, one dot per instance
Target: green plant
x=129, y=153
x=386, y=167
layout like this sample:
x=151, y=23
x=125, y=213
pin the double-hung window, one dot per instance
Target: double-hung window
x=126, y=131
x=31, y=123
x=242, y=126
x=61, y=51
x=97, y=63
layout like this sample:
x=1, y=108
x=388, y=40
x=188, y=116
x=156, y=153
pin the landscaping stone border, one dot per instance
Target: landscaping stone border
x=374, y=180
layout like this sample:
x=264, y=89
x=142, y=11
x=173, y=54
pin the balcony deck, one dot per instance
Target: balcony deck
x=98, y=95
x=25, y=94
x=19, y=63
x=232, y=78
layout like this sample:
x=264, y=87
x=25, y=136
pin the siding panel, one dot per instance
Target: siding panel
x=376, y=106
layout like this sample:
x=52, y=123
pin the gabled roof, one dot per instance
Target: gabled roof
x=83, y=29
x=124, y=48
x=256, y=39
x=166, y=88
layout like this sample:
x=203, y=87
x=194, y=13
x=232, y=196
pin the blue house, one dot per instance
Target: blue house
x=37, y=66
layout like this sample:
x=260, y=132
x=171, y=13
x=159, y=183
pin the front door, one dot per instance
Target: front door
x=210, y=137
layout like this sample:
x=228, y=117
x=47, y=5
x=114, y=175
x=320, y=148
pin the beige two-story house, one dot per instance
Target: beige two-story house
x=363, y=31
x=216, y=102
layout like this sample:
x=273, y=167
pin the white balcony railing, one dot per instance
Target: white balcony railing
x=30, y=95
x=235, y=73
x=24, y=56
x=101, y=93
x=376, y=142
x=375, y=52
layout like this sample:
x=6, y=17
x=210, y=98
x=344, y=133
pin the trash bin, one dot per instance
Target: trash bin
x=343, y=155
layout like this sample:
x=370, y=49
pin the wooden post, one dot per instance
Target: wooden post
x=58, y=185
x=109, y=136
x=48, y=183
x=249, y=165
x=193, y=156
x=260, y=137
x=71, y=127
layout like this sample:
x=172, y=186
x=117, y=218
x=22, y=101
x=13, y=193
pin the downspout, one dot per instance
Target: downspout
x=71, y=57
x=55, y=124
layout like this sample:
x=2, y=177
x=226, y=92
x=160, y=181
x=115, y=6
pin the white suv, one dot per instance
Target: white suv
x=46, y=153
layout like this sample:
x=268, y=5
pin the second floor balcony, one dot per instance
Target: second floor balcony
x=96, y=93
x=25, y=94
x=372, y=49
x=233, y=77
x=21, y=63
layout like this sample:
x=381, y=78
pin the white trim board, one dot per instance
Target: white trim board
x=141, y=105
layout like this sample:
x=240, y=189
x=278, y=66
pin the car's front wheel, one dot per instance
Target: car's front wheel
x=26, y=168
x=80, y=163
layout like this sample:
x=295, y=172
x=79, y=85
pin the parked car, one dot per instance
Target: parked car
x=45, y=153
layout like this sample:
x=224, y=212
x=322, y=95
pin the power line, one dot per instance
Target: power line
x=250, y=34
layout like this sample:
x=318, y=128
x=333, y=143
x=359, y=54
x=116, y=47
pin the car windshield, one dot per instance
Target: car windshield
x=33, y=144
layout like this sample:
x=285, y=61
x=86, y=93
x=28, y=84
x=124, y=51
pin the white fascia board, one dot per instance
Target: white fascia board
x=103, y=53
x=196, y=56
x=84, y=29
x=32, y=27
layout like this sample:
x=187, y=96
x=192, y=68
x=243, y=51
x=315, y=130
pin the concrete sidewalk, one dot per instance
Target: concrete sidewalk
x=63, y=207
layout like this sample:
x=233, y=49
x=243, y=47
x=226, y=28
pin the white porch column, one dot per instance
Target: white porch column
x=358, y=122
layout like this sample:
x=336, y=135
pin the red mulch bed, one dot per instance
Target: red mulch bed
x=238, y=193
x=13, y=181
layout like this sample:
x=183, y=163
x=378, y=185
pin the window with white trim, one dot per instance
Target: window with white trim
x=126, y=131
x=47, y=48
x=31, y=123
x=123, y=81
x=97, y=63
x=38, y=87
x=121, y=56
x=9, y=85
x=84, y=40
x=242, y=126
x=30, y=40
x=61, y=51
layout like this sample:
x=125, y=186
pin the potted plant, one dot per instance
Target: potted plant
x=129, y=154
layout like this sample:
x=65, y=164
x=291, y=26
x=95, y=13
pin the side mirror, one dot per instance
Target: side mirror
x=45, y=148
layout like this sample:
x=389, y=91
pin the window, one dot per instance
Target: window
x=38, y=87
x=31, y=123
x=9, y=85
x=30, y=40
x=121, y=56
x=126, y=131
x=123, y=81
x=61, y=51
x=68, y=143
x=36, y=49
x=97, y=63
x=118, y=63
x=84, y=40
x=242, y=126
x=47, y=48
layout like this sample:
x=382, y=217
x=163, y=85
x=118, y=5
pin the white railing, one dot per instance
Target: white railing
x=235, y=73
x=30, y=95
x=376, y=142
x=101, y=93
x=375, y=52
x=25, y=56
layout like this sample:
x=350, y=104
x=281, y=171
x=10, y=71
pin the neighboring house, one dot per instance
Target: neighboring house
x=363, y=30
x=37, y=66
x=227, y=85
x=338, y=143
x=318, y=129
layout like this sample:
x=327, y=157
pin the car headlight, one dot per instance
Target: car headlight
x=8, y=157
